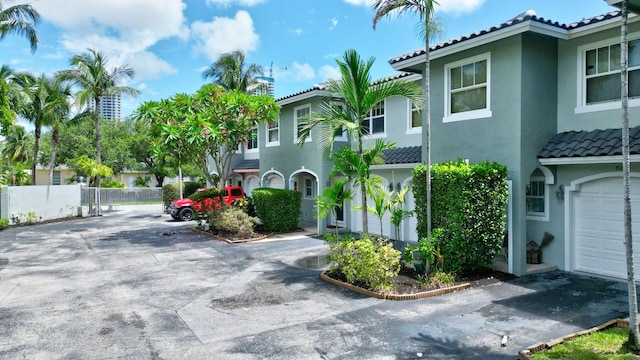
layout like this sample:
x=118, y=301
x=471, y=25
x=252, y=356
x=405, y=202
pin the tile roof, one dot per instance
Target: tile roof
x=524, y=17
x=403, y=155
x=248, y=165
x=323, y=86
x=590, y=143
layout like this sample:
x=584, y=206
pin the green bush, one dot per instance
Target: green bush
x=170, y=192
x=368, y=262
x=112, y=184
x=4, y=223
x=246, y=204
x=278, y=209
x=206, y=194
x=233, y=220
x=469, y=205
x=190, y=187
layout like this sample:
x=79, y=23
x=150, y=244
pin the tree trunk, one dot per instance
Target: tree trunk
x=363, y=196
x=36, y=148
x=634, y=335
x=427, y=117
x=54, y=148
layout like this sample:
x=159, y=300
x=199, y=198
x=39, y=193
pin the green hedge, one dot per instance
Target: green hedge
x=170, y=192
x=190, y=187
x=469, y=204
x=279, y=210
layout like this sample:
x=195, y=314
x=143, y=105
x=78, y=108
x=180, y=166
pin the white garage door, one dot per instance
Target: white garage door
x=599, y=227
x=276, y=182
x=411, y=224
x=252, y=183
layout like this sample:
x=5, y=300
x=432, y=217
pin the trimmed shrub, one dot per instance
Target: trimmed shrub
x=369, y=262
x=190, y=187
x=4, y=223
x=279, y=210
x=469, y=205
x=170, y=192
x=233, y=220
x=112, y=184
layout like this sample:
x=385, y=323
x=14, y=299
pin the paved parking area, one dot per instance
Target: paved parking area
x=131, y=285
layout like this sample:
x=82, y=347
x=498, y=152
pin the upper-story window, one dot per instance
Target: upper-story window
x=602, y=72
x=252, y=144
x=374, y=123
x=341, y=133
x=273, y=133
x=298, y=123
x=414, y=120
x=468, y=89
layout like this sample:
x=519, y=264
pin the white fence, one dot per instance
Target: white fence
x=22, y=204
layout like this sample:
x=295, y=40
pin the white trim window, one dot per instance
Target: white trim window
x=374, y=124
x=600, y=75
x=252, y=144
x=468, y=89
x=308, y=188
x=273, y=133
x=298, y=125
x=537, y=199
x=340, y=134
x=414, y=119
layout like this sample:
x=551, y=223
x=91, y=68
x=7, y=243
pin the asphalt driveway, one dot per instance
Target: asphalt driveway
x=136, y=286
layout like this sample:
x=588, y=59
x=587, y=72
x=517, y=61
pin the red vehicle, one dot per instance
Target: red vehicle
x=185, y=209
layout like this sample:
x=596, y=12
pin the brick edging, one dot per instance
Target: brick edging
x=397, y=297
x=206, y=233
x=542, y=346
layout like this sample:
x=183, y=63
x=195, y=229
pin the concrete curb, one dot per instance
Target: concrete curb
x=396, y=297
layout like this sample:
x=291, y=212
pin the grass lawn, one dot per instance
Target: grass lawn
x=605, y=344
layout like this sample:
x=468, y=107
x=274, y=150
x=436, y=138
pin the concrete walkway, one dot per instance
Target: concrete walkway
x=139, y=286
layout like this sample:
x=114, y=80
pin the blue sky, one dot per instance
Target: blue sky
x=170, y=42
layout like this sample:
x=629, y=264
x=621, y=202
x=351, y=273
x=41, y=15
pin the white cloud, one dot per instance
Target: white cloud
x=297, y=31
x=223, y=35
x=327, y=72
x=358, y=2
x=301, y=72
x=122, y=29
x=334, y=23
x=459, y=6
x=226, y=3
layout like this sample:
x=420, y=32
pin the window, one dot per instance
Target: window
x=414, y=119
x=467, y=88
x=252, y=145
x=537, y=197
x=300, y=112
x=273, y=133
x=339, y=134
x=308, y=188
x=56, y=177
x=374, y=123
x=602, y=73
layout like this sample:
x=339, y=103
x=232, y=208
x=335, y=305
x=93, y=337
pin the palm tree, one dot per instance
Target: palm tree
x=232, y=73
x=332, y=199
x=358, y=96
x=17, y=144
x=64, y=92
x=634, y=334
x=425, y=11
x=43, y=102
x=20, y=19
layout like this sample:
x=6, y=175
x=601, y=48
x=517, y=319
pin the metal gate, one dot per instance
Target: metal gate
x=138, y=199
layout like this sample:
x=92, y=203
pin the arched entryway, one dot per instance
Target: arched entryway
x=307, y=182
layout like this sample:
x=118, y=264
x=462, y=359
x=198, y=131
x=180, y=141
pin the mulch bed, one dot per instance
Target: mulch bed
x=408, y=286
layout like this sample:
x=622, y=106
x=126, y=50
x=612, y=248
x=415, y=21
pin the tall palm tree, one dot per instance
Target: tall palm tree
x=43, y=102
x=232, y=73
x=634, y=334
x=359, y=95
x=425, y=11
x=20, y=19
x=89, y=73
x=16, y=145
x=64, y=92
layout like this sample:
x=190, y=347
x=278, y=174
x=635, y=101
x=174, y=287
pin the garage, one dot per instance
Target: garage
x=599, y=227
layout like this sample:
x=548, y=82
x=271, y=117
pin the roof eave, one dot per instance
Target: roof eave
x=304, y=96
x=633, y=5
x=586, y=160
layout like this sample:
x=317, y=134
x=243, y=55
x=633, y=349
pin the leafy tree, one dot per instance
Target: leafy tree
x=8, y=95
x=359, y=95
x=89, y=73
x=92, y=168
x=17, y=145
x=20, y=19
x=43, y=102
x=425, y=10
x=142, y=152
x=232, y=73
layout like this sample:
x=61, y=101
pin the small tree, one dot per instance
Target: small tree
x=396, y=209
x=333, y=198
x=92, y=168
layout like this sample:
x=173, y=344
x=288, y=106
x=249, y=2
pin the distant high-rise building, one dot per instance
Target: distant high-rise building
x=265, y=86
x=110, y=107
